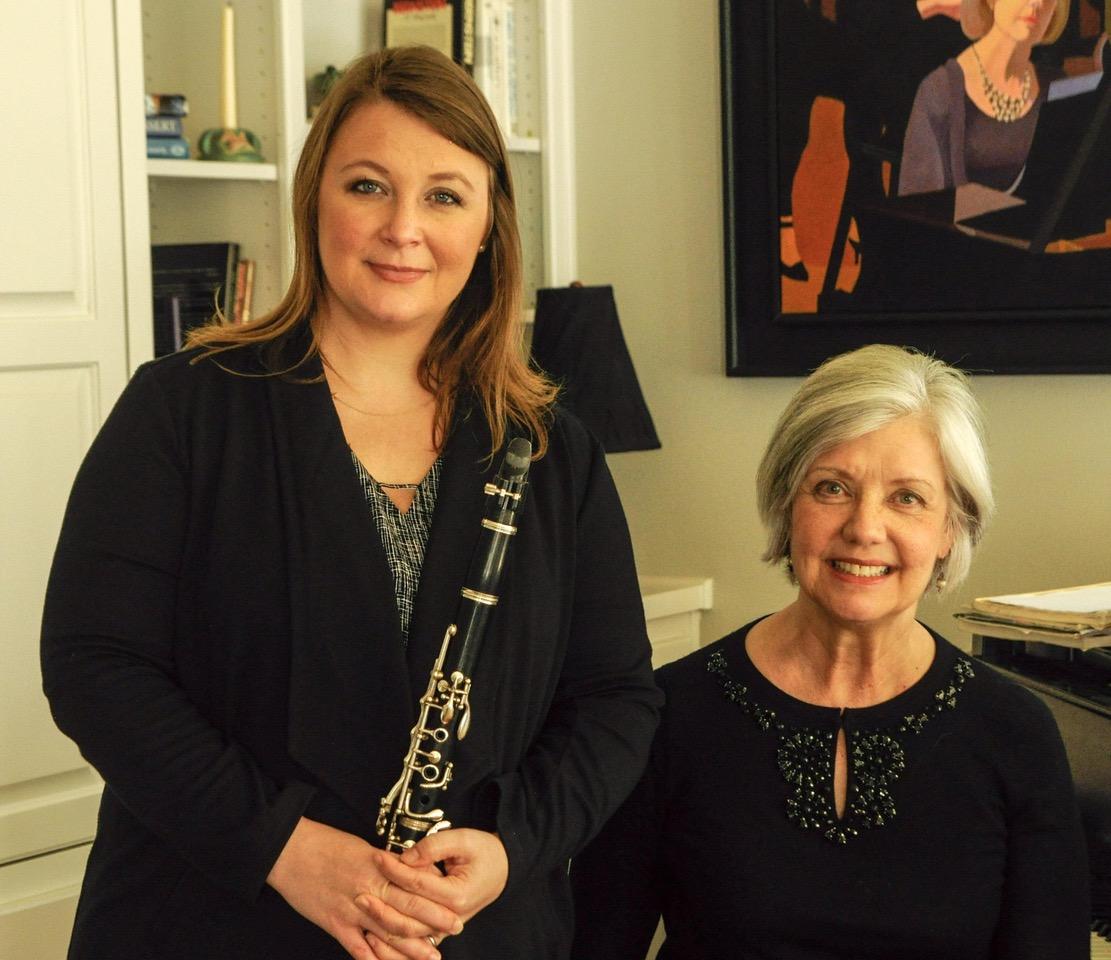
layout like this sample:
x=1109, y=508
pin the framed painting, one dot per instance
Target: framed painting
x=893, y=175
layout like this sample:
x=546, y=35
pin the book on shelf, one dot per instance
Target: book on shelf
x=511, y=59
x=159, y=126
x=168, y=148
x=445, y=25
x=244, y=291
x=165, y=130
x=495, y=65
x=190, y=282
x=167, y=105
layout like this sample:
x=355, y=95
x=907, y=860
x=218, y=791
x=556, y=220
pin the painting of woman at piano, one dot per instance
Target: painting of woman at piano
x=852, y=128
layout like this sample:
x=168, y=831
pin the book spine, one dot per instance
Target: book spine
x=464, y=40
x=227, y=294
x=167, y=105
x=492, y=59
x=177, y=335
x=511, y=67
x=482, y=31
x=248, y=291
x=168, y=148
x=164, y=127
x=240, y=290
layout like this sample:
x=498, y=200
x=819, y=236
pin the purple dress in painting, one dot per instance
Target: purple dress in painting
x=950, y=142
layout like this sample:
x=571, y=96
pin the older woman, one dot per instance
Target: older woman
x=836, y=780
x=974, y=117
x=267, y=541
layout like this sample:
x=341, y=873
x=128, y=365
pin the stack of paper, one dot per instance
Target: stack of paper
x=1073, y=616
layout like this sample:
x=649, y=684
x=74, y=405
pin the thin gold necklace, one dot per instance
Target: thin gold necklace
x=371, y=413
x=367, y=413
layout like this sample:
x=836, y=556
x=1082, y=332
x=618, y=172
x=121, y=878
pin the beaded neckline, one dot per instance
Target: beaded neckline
x=805, y=757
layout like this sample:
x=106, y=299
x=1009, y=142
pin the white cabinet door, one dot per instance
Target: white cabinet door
x=62, y=363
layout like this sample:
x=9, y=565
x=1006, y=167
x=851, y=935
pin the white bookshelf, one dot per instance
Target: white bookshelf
x=170, y=47
x=213, y=170
x=523, y=144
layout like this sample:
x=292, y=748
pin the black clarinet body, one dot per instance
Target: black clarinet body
x=411, y=809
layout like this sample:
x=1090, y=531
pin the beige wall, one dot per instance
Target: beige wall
x=649, y=209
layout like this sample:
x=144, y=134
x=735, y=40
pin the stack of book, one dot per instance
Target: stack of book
x=1078, y=617
x=194, y=284
x=165, y=135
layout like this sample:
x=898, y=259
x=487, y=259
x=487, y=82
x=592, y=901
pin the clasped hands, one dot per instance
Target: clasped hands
x=381, y=906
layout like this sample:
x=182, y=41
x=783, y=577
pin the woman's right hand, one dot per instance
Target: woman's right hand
x=326, y=874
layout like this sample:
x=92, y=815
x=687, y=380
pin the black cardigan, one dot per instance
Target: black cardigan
x=221, y=640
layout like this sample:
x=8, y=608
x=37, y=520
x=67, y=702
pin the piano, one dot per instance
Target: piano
x=1076, y=686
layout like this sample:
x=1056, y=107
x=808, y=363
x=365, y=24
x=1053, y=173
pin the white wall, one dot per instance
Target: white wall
x=650, y=223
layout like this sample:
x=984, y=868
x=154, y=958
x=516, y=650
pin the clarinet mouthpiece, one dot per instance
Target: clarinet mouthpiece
x=517, y=459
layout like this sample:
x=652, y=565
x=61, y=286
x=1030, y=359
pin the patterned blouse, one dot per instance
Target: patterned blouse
x=404, y=535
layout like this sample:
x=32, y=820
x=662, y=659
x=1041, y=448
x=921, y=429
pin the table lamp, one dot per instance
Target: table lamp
x=577, y=341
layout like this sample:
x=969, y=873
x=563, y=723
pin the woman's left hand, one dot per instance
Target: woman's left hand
x=475, y=870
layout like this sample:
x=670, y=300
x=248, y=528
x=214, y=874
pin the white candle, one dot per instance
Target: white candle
x=227, y=69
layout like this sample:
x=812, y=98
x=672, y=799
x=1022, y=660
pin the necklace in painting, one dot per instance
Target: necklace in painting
x=1005, y=108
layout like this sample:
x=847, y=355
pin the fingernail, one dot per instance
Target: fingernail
x=458, y=928
x=410, y=856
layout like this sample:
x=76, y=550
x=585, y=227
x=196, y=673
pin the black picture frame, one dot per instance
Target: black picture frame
x=1036, y=334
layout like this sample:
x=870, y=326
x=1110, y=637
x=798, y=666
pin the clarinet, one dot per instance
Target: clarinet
x=409, y=812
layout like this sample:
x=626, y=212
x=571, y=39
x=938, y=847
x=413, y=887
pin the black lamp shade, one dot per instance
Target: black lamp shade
x=577, y=341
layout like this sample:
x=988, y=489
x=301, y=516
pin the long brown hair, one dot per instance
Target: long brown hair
x=478, y=343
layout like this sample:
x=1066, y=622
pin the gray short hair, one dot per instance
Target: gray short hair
x=861, y=391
